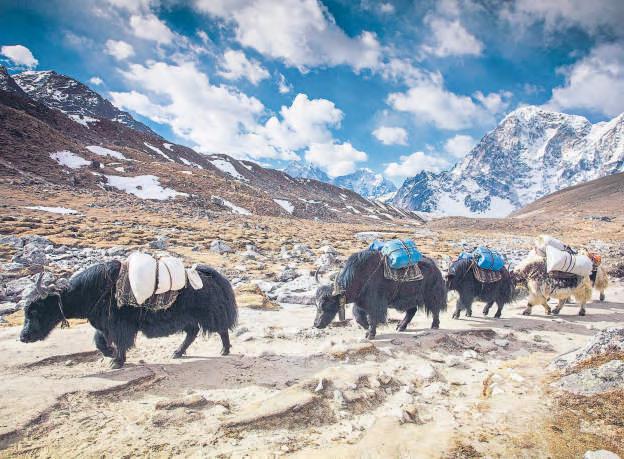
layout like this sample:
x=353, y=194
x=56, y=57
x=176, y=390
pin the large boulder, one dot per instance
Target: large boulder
x=609, y=340
x=589, y=381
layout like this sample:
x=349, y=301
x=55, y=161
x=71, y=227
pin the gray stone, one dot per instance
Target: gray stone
x=13, y=241
x=220, y=247
x=606, y=377
x=161, y=243
x=286, y=275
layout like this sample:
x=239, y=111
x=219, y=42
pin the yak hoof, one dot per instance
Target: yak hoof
x=468, y=313
x=177, y=355
x=401, y=327
x=370, y=335
x=556, y=311
x=582, y=312
x=526, y=312
x=110, y=352
x=497, y=316
x=602, y=297
x=116, y=364
x=225, y=351
x=455, y=315
x=435, y=326
x=486, y=312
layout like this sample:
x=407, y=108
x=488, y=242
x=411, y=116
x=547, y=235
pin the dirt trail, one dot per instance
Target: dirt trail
x=473, y=388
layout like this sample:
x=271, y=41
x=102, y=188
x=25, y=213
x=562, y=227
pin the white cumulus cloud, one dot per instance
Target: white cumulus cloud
x=429, y=101
x=335, y=158
x=96, y=80
x=459, y=145
x=391, y=135
x=19, y=55
x=594, y=83
x=236, y=65
x=119, y=49
x=301, y=33
x=149, y=27
x=450, y=38
x=410, y=165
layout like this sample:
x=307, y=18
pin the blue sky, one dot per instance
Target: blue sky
x=394, y=86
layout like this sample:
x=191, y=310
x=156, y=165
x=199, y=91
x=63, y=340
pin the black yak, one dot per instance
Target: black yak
x=362, y=282
x=91, y=295
x=461, y=278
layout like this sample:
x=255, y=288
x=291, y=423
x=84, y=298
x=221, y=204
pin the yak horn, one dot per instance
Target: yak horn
x=316, y=274
x=38, y=282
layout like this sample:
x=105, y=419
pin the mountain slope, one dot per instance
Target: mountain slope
x=44, y=145
x=306, y=170
x=598, y=198
x=532, y=153
x=363, y=181
x=73, y=98
x=366, y=183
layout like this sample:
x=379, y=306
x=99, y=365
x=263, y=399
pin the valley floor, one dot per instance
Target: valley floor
x=477, y=387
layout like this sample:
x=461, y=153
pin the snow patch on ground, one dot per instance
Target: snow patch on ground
x=68, y=159
x=143, y=186
x=159, y=151
x=168, y=146
x=233, y=207
x=227, y=167
x=286, y=205
x=54, y=210
x=101, y=151
x=82, y=119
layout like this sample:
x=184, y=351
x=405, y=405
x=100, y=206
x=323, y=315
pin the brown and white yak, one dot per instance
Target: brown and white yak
x=531, y=272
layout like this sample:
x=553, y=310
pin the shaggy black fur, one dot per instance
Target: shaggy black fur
x=362, y=282
x=91, y=295
x=461, y=279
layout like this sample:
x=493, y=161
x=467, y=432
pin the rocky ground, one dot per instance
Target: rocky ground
x=479, y=387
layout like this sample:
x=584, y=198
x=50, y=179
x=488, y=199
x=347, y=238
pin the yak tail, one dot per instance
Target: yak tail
x=229, y=311
x=435, y=292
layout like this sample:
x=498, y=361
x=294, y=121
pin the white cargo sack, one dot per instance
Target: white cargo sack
x=194, y=278
x=558, y=260
x=142, y=275
x=543, y=241
x=175, y=266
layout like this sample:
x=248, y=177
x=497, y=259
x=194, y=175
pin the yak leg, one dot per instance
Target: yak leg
x=122, y=334
x=103, y=344
x=527, y=311
x=409, y=315
x=487, y=307
x=360, y=317
x=557, y=310
x=499, y=311
x=435, y=324
x=372, y=330
x=458, y=308
x=602, y=296
x=225, y=341
x=191, y=334
x=582, y=310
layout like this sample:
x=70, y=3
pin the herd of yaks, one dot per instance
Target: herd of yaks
x=210, y=306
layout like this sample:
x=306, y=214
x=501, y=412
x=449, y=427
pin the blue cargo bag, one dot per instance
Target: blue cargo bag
x=376, y=245
x=401, y=254
x=488, y=259
x=465, y=256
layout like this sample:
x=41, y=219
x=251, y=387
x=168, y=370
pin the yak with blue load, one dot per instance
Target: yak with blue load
x=480, y=275
x=369, y=282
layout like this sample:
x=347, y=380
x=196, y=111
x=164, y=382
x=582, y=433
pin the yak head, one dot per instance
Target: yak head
x=519, y=285
x=42, y=314
x=328, y=305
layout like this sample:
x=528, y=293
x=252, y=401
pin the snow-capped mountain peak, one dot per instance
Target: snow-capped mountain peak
x=73, y=98
x=531, y=153
x=304, y=169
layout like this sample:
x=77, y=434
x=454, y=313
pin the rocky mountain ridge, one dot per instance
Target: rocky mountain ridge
x=52, y=142
x=531, y=153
